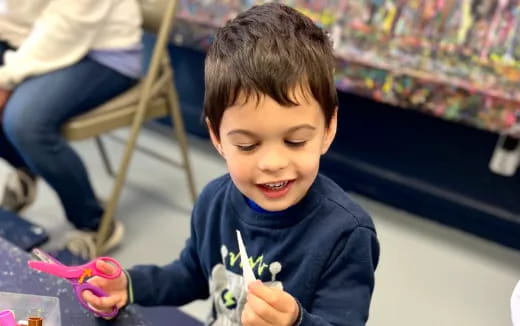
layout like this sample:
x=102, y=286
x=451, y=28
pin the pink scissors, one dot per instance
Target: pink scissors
x=77, y=275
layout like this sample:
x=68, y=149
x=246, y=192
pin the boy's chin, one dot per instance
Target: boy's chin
x=271, y=206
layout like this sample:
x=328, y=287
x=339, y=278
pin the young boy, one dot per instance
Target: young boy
x=270, y=107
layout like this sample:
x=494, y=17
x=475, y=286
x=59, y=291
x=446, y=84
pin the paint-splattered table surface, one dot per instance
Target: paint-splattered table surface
x=16, y=277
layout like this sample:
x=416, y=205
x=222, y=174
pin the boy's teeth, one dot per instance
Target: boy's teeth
x=276, y=185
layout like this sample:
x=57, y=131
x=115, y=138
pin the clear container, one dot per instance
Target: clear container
x=28, y=305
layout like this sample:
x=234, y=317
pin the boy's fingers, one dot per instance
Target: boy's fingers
x=261, y=291
x=98, y=281
x=99, y=303
x=105, y=267
x=276, y=298
x=262, y=309
x=249, y=317
x=91, y=299
x=109, y=301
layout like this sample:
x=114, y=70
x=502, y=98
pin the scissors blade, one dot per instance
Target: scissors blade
x=42, y=266
x=50, y=265
x=68, y=272
x=247, y=271
x=45, y=263
x=44, y=257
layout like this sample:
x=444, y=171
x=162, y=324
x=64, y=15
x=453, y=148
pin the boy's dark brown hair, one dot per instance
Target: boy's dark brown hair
x=268, y=50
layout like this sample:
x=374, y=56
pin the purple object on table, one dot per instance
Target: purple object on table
x=7, y=318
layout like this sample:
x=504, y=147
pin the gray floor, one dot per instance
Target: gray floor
x=428, y=274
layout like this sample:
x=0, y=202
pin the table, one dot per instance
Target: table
x=15, y=276
x=22, y=233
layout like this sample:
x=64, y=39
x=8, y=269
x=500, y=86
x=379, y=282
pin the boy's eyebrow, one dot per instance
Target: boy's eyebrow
x=252, y=134
x=302, y=126
x=241, y=131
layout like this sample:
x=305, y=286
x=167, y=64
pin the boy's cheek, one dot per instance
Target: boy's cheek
x=310, y=162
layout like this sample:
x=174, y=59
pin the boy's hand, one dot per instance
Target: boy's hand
x=269, y=306
x=115, y=288
x=4, y=96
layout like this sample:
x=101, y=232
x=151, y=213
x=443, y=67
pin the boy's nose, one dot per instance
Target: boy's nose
x=273, y=160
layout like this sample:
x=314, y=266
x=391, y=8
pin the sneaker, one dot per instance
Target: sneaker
x=83, y=243
x=19, y=192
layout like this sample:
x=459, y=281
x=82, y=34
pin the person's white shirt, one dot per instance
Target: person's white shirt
x=52, y=34
x=515, y=305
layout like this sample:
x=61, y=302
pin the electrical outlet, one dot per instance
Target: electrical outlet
x=506, y=156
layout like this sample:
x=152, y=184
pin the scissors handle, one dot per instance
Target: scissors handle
x=80, y=287
x=77, y=272
x=108, y=260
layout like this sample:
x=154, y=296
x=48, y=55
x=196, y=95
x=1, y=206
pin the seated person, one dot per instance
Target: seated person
x=59, y=59
x=271, y=109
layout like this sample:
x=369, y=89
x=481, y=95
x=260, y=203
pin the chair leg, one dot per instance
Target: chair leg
x=104, y=156
x=111, y=205
x=178, y=124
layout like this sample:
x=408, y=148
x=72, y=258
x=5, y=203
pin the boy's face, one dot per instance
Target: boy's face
x=273, y=152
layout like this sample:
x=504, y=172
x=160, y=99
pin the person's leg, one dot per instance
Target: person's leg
x=32, y=121
x=7, y=151
x=20, y=187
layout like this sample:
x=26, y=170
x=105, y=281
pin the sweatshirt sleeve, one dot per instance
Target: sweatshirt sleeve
x=344, y=294
x=61, y=36
x=175, y=284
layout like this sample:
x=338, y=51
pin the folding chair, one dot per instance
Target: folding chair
x=153, y=97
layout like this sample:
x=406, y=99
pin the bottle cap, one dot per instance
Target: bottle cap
x=35, y=321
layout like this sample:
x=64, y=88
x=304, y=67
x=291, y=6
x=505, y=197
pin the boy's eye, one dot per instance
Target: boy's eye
x=246, y=148
x=296, y=143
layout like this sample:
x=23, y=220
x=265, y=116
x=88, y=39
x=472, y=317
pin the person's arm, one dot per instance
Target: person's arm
x=175, y=284
x=172, y=285
x=345, y=289
x=178, y=283
x=61, y=36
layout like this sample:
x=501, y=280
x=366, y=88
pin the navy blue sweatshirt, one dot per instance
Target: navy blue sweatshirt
x=323, y=251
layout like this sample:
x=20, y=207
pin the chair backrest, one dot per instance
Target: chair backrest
x=153, y=12
x=158, y=18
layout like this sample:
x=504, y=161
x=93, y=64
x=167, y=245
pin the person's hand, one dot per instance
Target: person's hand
x=115, y=288
x=269, y=306
x=4, y=96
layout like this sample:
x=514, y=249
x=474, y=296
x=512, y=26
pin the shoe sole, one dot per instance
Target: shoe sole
x=32, y=189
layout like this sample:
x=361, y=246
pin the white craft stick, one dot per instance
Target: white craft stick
x=247, y=271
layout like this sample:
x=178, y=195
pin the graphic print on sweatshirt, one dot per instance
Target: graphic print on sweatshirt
x=227, y=288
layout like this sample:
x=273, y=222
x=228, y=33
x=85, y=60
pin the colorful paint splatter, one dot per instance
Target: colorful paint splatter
x=456, y=59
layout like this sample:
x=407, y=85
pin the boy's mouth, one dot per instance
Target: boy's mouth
x=276, y=185
x=275, y=189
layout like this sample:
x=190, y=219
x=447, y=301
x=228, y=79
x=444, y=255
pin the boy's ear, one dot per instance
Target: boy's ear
x=214, y=139
x=330, y=132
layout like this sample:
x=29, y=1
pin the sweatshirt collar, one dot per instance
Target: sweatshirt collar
x=250, y=214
